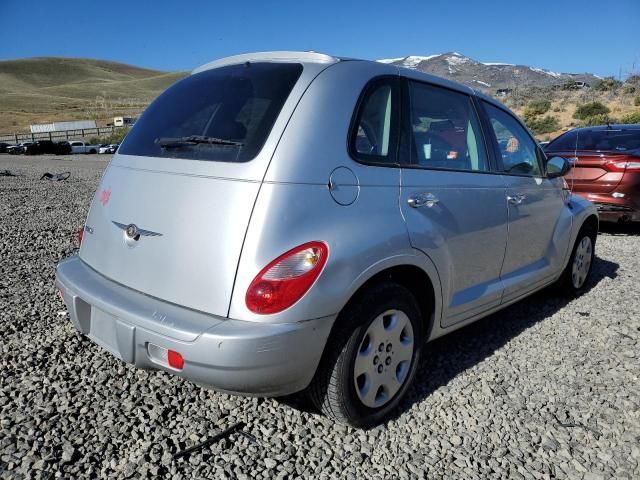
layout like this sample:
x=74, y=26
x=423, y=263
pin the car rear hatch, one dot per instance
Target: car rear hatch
x=600, y=156
x=596, y=172
x=171, y=211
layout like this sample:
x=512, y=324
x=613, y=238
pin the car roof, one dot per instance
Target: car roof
x=612, y=126
x=276, y=56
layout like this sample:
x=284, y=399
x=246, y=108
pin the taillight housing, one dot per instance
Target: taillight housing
x=286, y=279
x=80, y=235
x=622, y=166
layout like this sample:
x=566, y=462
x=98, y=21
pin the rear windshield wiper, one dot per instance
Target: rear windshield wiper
x=168, y=142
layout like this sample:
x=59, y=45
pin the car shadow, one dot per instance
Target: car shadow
x=447, y=357
x=627, y=229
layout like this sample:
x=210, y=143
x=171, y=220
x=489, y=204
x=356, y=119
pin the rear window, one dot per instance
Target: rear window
x=609, y=140
x=224, y=114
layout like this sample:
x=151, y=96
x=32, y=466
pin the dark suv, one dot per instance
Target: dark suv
x=606, y=168
x=47, y=146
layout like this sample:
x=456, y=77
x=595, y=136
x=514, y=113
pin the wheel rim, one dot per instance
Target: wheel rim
x=384, y=358
x=582, y=262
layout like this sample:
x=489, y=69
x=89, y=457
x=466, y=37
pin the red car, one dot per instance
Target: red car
x=606, y=168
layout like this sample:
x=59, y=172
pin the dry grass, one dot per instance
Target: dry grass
x=564, y=103
x=42, y=90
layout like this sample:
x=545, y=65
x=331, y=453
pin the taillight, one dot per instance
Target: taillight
x=614, y=166
x=285, y=280
x=632, y=165
x=80, y=235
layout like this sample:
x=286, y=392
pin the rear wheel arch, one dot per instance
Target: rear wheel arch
x=416, y=280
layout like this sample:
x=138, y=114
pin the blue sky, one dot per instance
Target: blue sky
x=571, y=36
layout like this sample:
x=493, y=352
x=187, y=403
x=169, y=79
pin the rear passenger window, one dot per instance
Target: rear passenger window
x=445, y=132
x=519, y=152
x=374, y=138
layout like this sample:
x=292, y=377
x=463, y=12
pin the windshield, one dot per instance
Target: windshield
x=605, y=140
x=232, y=107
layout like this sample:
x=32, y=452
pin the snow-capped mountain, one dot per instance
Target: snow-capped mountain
x=486, y=75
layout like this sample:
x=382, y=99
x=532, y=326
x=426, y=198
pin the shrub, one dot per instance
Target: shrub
x=590, y=109
x=598, y=119
x=636, y=101
x=633, y=80
x=538, y=107
x=607, y=84
x=116, y=137
x=546, y=124
x=631, y=118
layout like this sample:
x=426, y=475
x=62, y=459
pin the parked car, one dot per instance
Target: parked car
x=41, y=147
x=111, y=148
x=14, y=149
x=279, y=222
x=81, y=147
x=63, y=148
x=3, y=147
x=18, y=149
x=606, y=168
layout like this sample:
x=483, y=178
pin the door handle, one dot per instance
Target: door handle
x=422, y=200
x=516, y=198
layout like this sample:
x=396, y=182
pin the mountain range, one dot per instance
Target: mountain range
x=487, y=76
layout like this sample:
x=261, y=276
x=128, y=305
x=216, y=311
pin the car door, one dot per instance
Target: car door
x=453, y=204
x=539, y=222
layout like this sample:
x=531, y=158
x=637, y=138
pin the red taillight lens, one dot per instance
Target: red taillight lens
x=285, y=280
x=80, y=235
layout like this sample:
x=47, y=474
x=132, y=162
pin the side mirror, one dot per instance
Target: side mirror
x=557, y=167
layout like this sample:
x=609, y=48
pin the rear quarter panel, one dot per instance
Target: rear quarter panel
x=295, y=205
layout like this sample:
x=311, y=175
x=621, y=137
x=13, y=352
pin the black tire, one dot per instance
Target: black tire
x=566, y=281
x=333, y=389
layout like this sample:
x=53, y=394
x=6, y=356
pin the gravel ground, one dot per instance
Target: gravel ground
x=543, y=389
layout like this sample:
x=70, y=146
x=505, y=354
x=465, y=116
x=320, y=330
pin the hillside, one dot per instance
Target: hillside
x=486, y=76
x=38, y=90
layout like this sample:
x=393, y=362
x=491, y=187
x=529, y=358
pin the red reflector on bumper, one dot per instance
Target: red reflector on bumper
x=165, y=357
x=175, y=360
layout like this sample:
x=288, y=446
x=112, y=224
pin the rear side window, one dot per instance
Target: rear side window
x=607, y=140
x=374, y=133
x=518, y=151
x=445, y=132
x=224, y=114
x=564, y=143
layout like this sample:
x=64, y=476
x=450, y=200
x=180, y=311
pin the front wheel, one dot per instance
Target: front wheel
x=371, y=357
x=575, y=275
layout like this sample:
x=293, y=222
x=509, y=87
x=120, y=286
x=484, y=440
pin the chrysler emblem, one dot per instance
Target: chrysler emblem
x=134, y=232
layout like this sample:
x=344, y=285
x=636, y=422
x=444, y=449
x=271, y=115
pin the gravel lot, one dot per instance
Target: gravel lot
x=543, y=389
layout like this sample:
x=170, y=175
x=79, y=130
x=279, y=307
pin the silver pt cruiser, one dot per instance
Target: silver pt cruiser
x=279, y=222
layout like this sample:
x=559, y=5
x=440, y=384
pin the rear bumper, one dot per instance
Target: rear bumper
x=611, y=209
x=229, y=355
